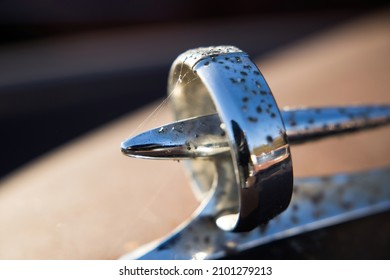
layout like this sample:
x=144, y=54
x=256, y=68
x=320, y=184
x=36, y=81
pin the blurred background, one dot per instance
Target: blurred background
x=67, y=67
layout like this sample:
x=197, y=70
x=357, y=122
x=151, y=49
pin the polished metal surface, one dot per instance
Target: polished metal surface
x=235, y=144
x=314, y=123
x=258, y=169
x=191, y=138
x=204, y=136
x=316, y=203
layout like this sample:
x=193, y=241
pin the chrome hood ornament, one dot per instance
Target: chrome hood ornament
x=237, y=143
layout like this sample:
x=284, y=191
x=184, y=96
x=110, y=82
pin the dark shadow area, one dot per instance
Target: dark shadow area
x=21, y=20
x=39, y=115
x=354, y=240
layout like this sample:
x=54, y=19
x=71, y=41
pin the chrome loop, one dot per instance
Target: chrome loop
x=254, y=182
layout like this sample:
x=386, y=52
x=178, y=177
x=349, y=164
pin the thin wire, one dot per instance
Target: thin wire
x=164, y=102
x=158, y=108
x=125, y=230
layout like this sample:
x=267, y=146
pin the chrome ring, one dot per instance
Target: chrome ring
x=254, y=183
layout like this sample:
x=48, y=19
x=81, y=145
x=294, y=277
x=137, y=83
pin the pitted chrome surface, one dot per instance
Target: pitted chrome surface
x=240, y=159
x=225, y=81
x=193, y=56
x=316, y=203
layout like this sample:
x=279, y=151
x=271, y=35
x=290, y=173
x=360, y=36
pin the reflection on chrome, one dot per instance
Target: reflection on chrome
x=265, y=160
